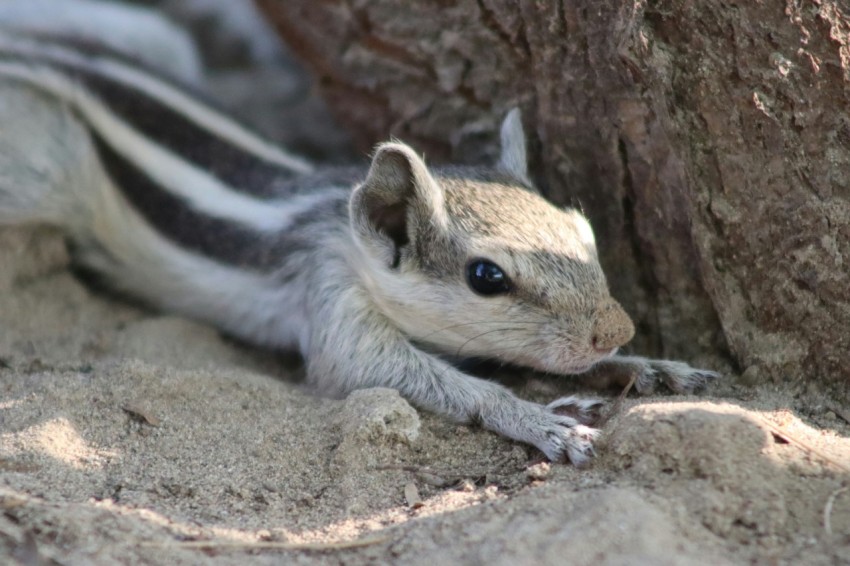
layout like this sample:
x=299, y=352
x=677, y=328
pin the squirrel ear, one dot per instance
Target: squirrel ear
x=514, y=159
x=398, y=190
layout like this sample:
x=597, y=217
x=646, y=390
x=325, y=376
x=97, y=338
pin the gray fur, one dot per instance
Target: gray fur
x=353, y=279
x=134, y=31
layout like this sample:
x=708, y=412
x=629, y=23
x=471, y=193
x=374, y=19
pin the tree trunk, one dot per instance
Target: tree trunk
x=708, y=141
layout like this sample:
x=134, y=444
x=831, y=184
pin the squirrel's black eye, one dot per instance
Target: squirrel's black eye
x=487, y=278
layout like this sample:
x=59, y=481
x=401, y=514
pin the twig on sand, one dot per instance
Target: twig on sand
x=827, y=509
x=617, y=406
x=427, y=470
x=442, y=478
x=791, y=439
x=268, y=545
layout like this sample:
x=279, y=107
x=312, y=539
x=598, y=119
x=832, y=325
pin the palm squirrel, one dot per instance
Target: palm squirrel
x=374, y=276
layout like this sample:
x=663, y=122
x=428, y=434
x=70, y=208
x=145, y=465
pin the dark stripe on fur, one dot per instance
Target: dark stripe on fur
x=214, y=238
x=241, y=170
x=174, y=219
x=92, y=47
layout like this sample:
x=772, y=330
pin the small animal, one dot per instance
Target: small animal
x=378, y=276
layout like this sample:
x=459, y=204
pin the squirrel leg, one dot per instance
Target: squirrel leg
x=679, y=377
x=365, y=350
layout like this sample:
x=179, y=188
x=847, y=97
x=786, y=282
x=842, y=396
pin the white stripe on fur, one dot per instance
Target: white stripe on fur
x=252, y=306
x=202, y=115
x=201, y=190
x=137, y=31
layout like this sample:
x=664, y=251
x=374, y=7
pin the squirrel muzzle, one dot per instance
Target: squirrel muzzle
x=613, y=327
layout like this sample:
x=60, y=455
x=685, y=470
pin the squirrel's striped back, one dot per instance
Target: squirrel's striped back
x=163, y=195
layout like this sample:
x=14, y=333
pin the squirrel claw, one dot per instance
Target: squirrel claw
x=585, y=411
x=679, y=377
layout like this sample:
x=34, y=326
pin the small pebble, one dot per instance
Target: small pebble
x=751, y=376
x=539, y=471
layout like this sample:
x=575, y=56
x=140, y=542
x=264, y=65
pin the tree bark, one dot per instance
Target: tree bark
x=708, y=141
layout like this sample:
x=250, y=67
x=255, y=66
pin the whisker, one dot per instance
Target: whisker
x=452, y=326
x=496, y=355
x=503, y=329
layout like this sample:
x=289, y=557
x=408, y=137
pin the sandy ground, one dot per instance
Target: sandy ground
x=132, y=437
x=137, y=438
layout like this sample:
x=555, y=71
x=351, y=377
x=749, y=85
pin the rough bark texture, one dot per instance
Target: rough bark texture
x=708, y=141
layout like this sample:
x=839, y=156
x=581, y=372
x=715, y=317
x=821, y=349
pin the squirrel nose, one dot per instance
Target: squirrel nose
x=612, y=327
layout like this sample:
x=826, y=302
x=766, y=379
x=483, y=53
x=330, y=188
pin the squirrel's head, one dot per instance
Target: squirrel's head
x=473, y=262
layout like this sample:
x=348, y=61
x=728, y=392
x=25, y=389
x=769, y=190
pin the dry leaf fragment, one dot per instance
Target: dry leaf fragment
x=140, y=414
x=411, y=494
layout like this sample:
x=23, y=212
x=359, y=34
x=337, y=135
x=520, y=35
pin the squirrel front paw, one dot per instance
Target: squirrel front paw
x=559, y=429
x=679, y=377
x=567, y=441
